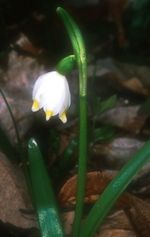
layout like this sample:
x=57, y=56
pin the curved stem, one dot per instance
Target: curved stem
x=13, y=121
x=78, y=47
x=80, y=54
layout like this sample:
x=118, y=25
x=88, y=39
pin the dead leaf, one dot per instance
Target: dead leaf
x=116, y=233
x=96, y=182
x=17, y=83
x=15, y=203
x=24, y=44
x=124, y=117
x=137, y=217
x=117, y=222
x=139, y=214
x=135, y=85
x=67, y=219
x=117, y=152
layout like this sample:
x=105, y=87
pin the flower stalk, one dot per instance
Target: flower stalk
x=80, y=55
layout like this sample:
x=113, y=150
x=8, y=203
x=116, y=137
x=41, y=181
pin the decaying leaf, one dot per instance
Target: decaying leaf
x=17, y=82
x=116, y=233
x=134, y=216
x=135, y=85
x=117, y=152
x=117, y=220
x=67, y=218
x=96, y=182
x=15, y=204
x=139, y=214
x=116, y=223
x=124, y=117
x=24, y=44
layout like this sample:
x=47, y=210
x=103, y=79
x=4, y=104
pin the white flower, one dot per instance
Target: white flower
x=51, y=92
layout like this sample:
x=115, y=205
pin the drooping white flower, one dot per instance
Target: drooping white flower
x=51, y=92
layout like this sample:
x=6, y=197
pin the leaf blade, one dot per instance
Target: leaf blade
x=113, y=191
x=43, y=195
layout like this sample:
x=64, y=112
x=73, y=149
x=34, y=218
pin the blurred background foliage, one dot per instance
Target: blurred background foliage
x=121, y=24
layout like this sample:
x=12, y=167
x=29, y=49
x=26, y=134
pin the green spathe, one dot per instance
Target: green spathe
x=66, y=65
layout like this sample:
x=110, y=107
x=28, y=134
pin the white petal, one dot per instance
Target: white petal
x=52, y=92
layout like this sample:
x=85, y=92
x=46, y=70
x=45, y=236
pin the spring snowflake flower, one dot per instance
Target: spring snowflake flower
x=51, y=92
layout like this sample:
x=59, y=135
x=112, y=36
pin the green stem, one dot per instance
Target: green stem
x=113, y=191
x=78, y=46
x=80, y=54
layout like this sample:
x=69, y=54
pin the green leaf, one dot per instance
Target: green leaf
x=113, y=191
x=43, y=195
x=107, y=104
x=145, y=107
x=140, y=5
x=66, y=160
x=104, y=133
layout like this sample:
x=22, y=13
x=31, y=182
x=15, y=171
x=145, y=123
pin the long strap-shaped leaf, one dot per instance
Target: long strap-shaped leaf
x=80, y=54
x=43, y=195
x=113, y=191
